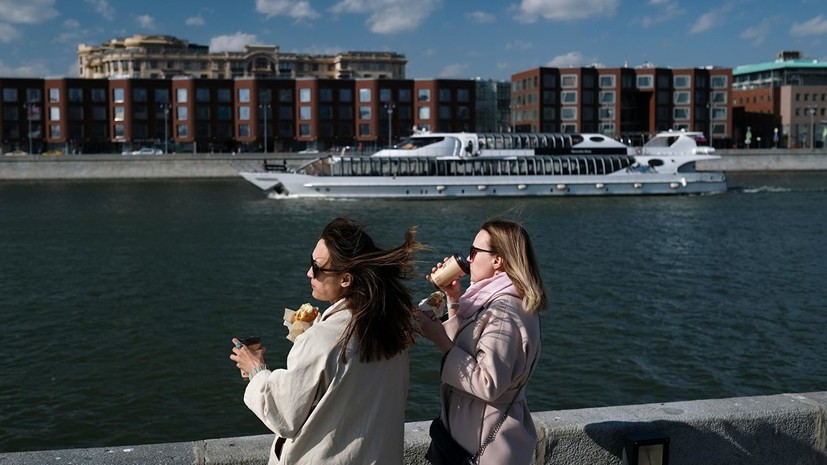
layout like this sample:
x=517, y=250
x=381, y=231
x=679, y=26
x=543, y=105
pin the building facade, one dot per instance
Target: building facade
x=782, y=103
x=624, y=103
x=188, y=114
x=162, y=57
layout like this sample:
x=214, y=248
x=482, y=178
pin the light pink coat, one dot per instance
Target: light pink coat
x=493, y=357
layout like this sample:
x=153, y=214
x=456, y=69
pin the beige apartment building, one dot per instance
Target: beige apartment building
x=163, y=56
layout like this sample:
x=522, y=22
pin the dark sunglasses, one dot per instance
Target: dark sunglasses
x=473, y=252
x=317, y=269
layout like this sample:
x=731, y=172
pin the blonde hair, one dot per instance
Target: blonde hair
x=510, y=240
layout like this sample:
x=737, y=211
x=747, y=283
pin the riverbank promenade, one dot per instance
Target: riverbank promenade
x=226, y=166
x=766, y=430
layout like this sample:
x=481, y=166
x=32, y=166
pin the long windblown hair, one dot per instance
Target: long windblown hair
x=510, y=240
x=381, y=304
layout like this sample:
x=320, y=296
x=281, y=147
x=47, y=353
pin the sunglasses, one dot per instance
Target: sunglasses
x=317, y=269
x=473, y=252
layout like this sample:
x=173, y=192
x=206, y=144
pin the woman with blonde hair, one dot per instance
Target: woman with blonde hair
x=491, y=345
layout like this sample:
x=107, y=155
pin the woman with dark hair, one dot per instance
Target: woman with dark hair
x=491, y=345
x=341, y=398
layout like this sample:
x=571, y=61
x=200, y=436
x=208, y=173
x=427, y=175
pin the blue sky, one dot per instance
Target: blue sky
x=440, y=38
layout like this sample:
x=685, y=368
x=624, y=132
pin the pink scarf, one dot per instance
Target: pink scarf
x=480, y=292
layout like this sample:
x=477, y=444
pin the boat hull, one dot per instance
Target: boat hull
x=296, y=185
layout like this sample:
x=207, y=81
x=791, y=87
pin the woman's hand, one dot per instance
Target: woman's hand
x=452, y=290
x=432, y=330
x=246, y=359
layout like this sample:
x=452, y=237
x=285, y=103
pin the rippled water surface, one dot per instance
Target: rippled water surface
x=118, y=300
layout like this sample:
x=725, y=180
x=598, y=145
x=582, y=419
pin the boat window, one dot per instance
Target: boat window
x=597, y=139
x=655, y=162
x=411, y=143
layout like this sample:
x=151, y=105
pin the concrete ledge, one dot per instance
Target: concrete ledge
x=766, y=430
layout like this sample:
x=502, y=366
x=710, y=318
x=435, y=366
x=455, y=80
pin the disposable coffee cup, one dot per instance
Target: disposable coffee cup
x=454, y=268
x=252, y=343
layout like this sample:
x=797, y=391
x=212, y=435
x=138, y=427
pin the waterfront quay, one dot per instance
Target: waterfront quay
x=223, y=166
x=766, y=430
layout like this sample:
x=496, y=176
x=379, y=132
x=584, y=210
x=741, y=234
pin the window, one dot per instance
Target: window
x=568, y=80
x=99, y=113
x=54, y=131
x=719, y=97
x=719, y=82
x=202, y=95
x=607, y=82
x=345, y=95
x=607, y=129
x=304, y=130
x=680, y=113
x=364, y=129
x=719, y=114
x=161, y=96
x=444, y=112
x=326, y=94
x=224, y=95
x=346, y=112
x=607, y=98
x=54, y=95
x=385, y=95
x=681, y=98
x=182, y=112
x=182, y=130
x=244, y=113
x=645, y=82
x=244, y=96
x=549, y=97
x=54, y=113
x=364, y=95
x=285, y=113
x=98, y=95
x=75, y=95
x=568, y=97
x=304, y=95
x=244, y=130
x=265, y=96
x=305, y=112
x=463, y=95
x=568, y=113
x=138, y=94
x=606, y=113
x=568, y=128
x=681, y=82
x=424, y=112
x=444, y=95
x=404, y=95
x=119, y=131
x=549, y=81
x=364, y=112
x=117, y=95
x=423, y=95
x=549, y=113
x=181, y=95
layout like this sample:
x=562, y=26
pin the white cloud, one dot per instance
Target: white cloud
x=71, y=23
x=295, y=9
x=8, y=33
x=103, y=8
x=711, y=19
x=666, y=10
x=26, y=70
x=564, y=10
x=814, y=27
x=145, y=21
x=569, y=60
x=28, y=12
x=195, y=21
x=481, y=17
x=232, y=43
x=390, y=16
x=758, y=34
x=453, y=71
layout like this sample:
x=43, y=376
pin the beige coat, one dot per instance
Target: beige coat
x=493, y=357
x=333, y=413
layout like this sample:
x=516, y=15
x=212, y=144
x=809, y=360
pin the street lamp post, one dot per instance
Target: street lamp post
x=711, y=113
x=390, y=106
x=265, y=108
x=165, y=106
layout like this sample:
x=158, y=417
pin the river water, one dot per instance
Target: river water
x=118, y=300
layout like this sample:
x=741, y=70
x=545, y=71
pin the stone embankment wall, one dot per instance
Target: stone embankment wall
x=224, y=166
x=766, y=430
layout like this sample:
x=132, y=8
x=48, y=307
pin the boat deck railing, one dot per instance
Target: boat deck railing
x=427, y=166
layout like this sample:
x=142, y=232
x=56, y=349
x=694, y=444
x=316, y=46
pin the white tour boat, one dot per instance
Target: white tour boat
x=456, y=165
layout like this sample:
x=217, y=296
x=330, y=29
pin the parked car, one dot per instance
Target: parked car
x=145, y=151
x=16, y=153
